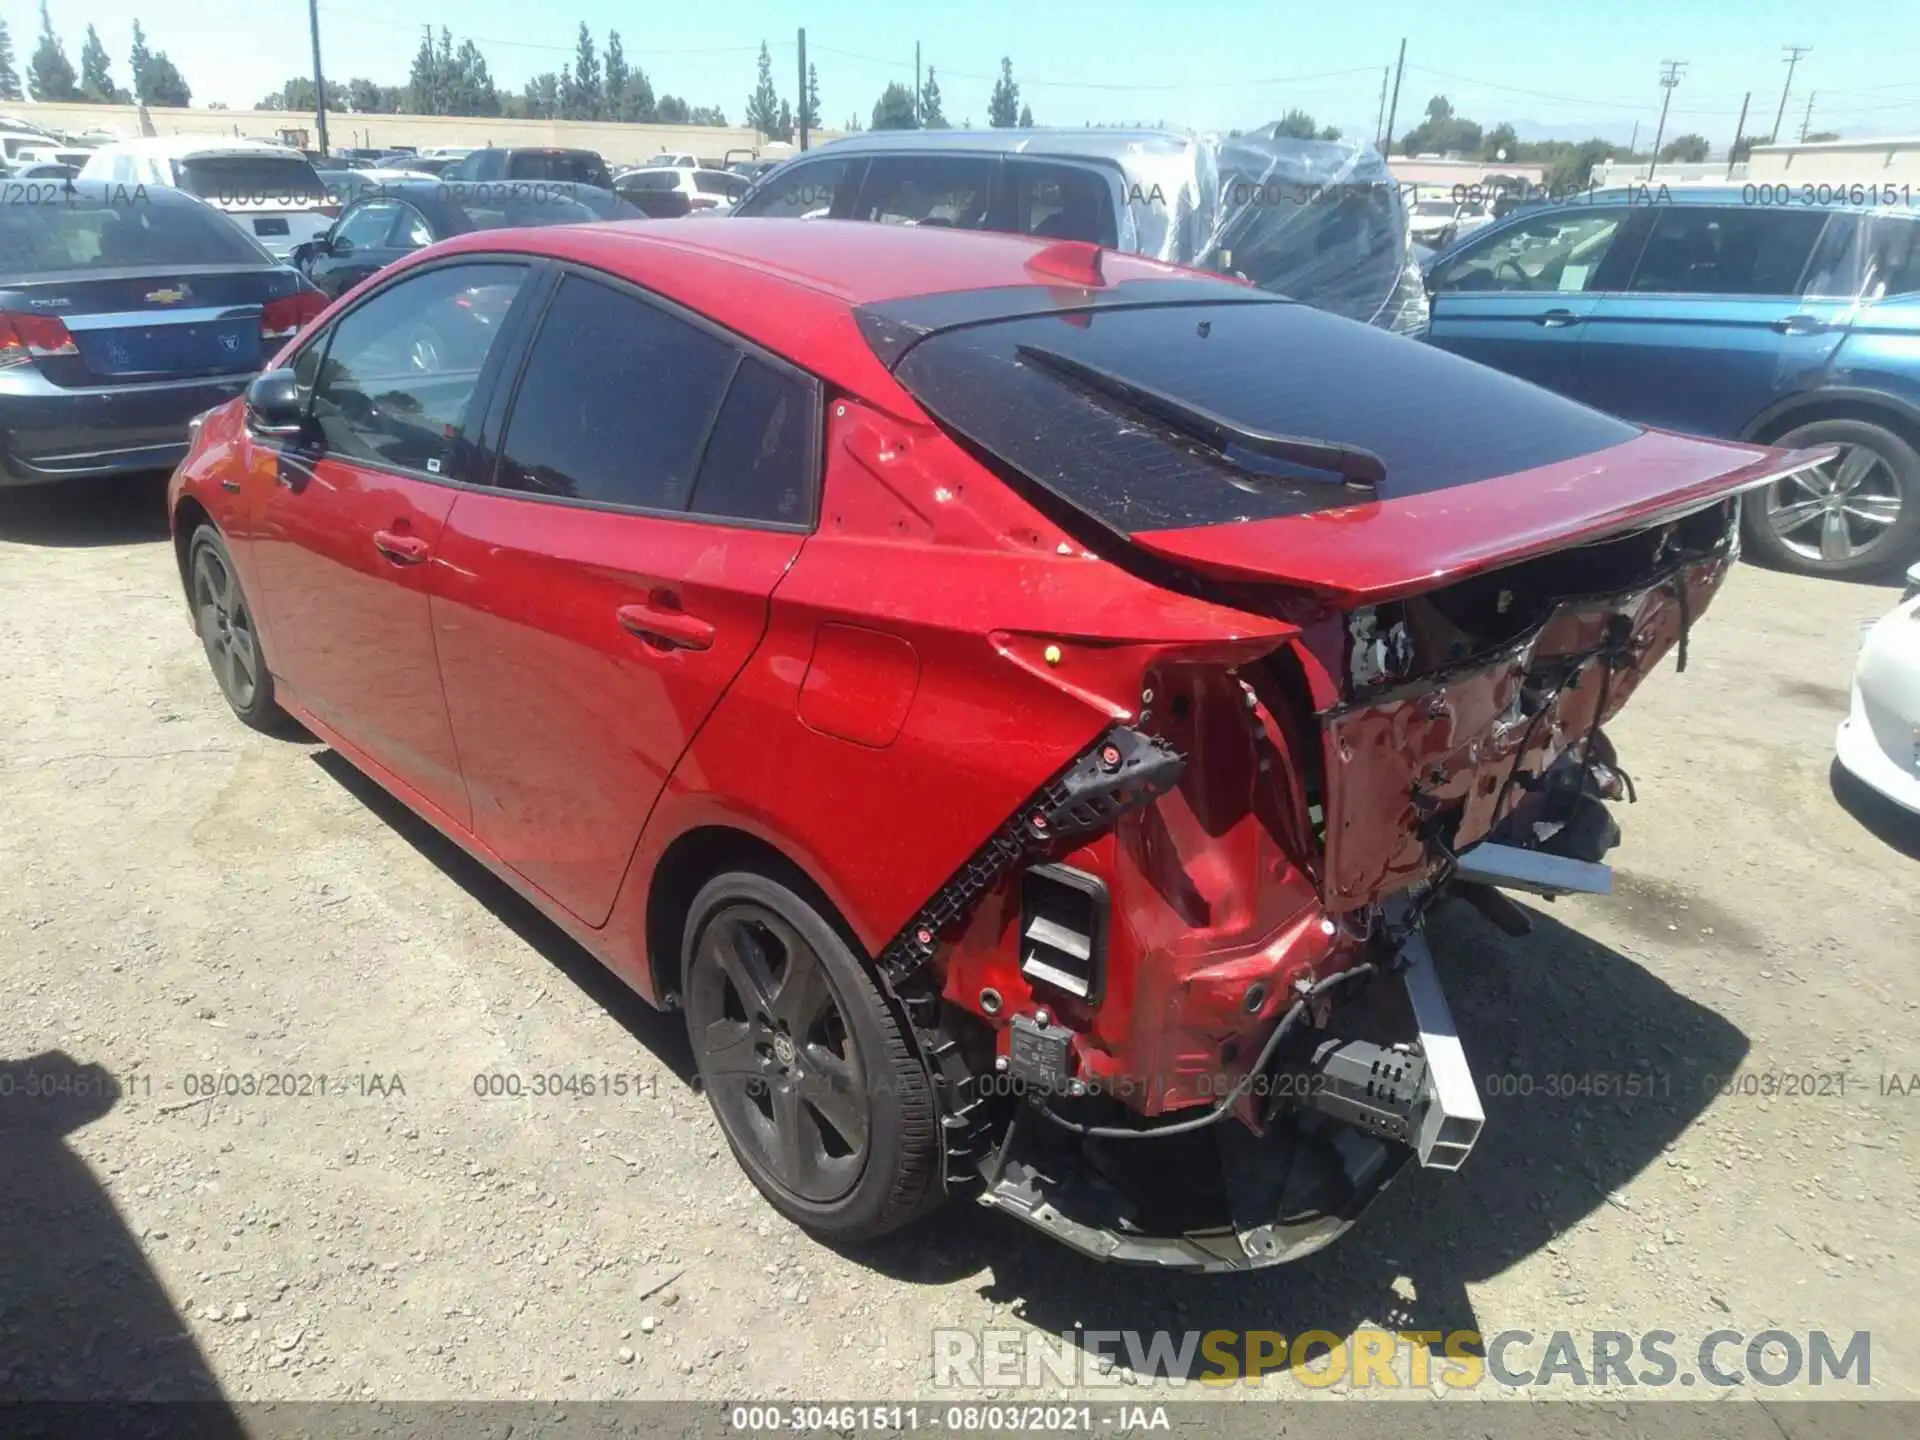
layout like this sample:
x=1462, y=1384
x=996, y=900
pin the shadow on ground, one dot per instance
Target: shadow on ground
x=1893, y=827
x=83, y=1317
x=1535, y=1014
x=122, y=510
x=663, y=1034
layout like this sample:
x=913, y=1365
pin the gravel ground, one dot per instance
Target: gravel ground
x=185, y=899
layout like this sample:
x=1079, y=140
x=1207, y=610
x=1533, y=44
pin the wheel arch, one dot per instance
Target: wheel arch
x=696, y=856
x=1874, y=407
x=188, y=516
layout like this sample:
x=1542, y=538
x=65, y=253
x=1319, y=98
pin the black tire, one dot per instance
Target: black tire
x=1858, y=517
x=814, y=1078
x=228, y=634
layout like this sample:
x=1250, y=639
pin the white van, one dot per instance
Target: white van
x=269, y=191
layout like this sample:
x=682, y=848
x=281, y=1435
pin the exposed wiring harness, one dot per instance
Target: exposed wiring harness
x=1226, y=1102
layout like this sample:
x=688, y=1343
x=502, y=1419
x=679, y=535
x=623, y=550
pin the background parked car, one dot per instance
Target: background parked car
x=713, y=190
x=1794, y=325
x=395, y=220
x=271, y=192
x=122, y=318
x=580, y=167
x=1322, y=221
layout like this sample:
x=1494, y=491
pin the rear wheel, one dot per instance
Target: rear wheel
x=1856, y=516
x=227, y=632
x=812, y=1075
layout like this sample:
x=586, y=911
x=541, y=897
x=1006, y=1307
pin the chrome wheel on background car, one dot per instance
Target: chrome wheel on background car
x=1838, y=511
x=1855, y=516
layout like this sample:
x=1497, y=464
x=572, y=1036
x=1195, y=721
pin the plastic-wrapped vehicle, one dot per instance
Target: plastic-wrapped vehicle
x=1317, y=220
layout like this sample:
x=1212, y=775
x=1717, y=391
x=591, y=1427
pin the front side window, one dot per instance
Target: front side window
x=365, y=226
x=400, y=370
x=616, y=402
x=946, y=190
x=1559, y=251
x=809, y=190
x=1723, y=250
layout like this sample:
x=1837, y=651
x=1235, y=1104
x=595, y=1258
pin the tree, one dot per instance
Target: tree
x=9, y=76
x=96, y=84
x=810, y=102
x=672, y=110
x=1328, y=132
x=543, y=96
x=581, y=91
x=763, y=105
x=932, y=117
x=369, y=98
x=614, y=76
x=297, y=94
x=1297, y=125
x=423, y=80
x=1573, y=170
x=1442, y=132
x=1819, y=137
x=470, y=88
x=1026, y=117
x=140, y=60
x=1685, y=149
x=50, y=73
x=894, y=109
x=166, y=84
x=707, y=115
x=1003, y=106
x=1501, y=137
x=636, y=100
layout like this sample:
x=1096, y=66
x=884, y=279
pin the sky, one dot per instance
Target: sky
x=1566, y=71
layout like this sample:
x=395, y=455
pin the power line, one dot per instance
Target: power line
x=1552, y=95
x=1028, y=83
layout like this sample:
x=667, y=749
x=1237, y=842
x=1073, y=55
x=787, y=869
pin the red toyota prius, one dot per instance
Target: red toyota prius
x=1018, y=700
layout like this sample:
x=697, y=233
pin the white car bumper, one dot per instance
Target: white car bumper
x=1879, y=742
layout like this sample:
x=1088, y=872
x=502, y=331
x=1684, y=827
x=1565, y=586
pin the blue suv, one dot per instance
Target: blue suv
x=1748, y=313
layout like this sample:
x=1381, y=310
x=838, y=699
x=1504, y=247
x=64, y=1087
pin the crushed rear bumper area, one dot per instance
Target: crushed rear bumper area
x=1342, y=1116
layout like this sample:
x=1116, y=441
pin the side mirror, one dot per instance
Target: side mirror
x=336, y=244
x=274, y=406
x=303, y=253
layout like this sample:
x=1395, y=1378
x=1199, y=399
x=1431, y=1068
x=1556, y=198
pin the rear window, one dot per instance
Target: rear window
x=651, y=180
x=504, y=207
x=582, y=167
x=80, y=235
x=248, y=179
x=712, y=182
x=1435, y=420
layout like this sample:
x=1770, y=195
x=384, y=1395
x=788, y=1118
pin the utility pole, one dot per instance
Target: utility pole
x=319, y=80
x=1739, y=129
x=1381, y=118
x=806, y=95
x=1669, y=77
x=1794, y=52
x=1633, y=142
x=1393, y=109
x=1807, y=123
x=918, y=118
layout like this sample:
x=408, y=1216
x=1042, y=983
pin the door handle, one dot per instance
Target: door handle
x=662, y=623
x=229, y=484
x=1556, y=319
x=400, y=549
x=1800, y=325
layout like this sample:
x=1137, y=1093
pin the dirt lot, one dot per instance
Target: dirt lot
x=185, y=899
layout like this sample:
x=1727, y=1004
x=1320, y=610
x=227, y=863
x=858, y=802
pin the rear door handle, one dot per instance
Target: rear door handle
x=400, y=549
x=661, y=622
x=1800, y=325
x=1556, y=319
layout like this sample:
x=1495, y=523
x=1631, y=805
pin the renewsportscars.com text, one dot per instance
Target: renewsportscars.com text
x=1414, y=1359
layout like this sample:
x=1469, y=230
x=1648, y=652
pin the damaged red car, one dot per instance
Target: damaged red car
x=1018, y=700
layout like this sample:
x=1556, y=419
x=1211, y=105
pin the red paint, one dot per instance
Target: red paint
x=568, y=692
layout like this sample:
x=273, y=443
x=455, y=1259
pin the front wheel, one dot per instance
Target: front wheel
x=227, y=631
x=812, y=1075
x=1855, y=517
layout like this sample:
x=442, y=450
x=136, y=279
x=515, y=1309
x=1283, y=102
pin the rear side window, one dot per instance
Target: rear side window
x=367, y=225
x=758, y=464
x=713, y=182
x=82, y=234
x=1716, y=250
x=249, y=179
x=1061, y=202
x=811, y=190
x=578, y=166
x=945, y=190
x=616, y=402
x=1893, y=257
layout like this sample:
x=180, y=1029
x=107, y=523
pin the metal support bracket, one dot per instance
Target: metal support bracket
x=1451, y=1117
x=1512, y=868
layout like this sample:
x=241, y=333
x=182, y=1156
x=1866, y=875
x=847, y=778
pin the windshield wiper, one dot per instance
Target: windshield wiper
x=1358, y=467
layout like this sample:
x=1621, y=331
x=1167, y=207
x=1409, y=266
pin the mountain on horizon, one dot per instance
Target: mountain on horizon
x=1614, y=132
